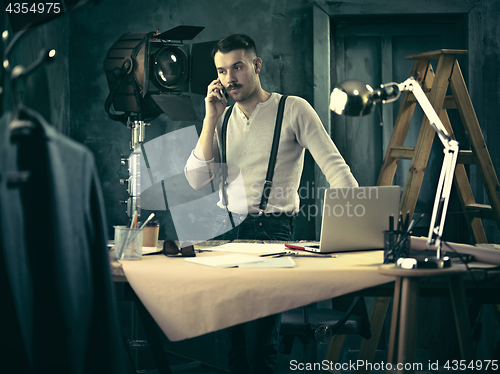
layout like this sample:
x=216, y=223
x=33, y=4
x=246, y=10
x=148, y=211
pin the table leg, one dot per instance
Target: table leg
x=408, y=322
x=392, y=351
x=154, y=339
x=462, y=322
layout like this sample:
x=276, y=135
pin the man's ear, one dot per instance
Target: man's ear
x=257, y=62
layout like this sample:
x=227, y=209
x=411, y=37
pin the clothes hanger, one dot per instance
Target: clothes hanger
x=25, y=119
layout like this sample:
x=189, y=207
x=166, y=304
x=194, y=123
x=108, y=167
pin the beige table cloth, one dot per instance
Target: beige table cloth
x=188, y=300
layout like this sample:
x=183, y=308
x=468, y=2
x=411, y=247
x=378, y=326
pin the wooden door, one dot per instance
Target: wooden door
x=372, y=49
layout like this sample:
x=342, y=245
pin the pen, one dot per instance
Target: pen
x=274, y=254
x=414, y=222
x=295, y=254
x=146, y=221
x=391, y=222
x=137, y=231
x=400, y=227
x=317, y=256
x=133, y=223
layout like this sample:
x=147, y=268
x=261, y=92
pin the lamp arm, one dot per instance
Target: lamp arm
x=412, y=85
x=447, y=170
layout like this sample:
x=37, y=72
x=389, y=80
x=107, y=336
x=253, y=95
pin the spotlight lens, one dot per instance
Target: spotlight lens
x=170, y=67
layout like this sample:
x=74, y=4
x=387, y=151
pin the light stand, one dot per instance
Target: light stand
x=134, y=166
x=147, y=75
x=354, y=98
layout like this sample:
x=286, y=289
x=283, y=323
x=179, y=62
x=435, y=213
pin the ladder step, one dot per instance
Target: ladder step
x=480, y=211
x=449, y=101
x=402, y=152
x=436, y=54
x=464, y=157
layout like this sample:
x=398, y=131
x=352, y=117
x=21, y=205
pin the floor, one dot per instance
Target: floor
x=287, y=363
x=208, y=353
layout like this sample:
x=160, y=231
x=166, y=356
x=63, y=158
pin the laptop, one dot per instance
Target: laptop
x=354, y=219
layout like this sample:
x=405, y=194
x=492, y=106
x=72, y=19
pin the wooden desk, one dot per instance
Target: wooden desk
x=218, y=298
x=188, y=300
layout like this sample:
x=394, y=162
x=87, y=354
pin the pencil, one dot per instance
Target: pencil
x=133, y=225
x=137, y=231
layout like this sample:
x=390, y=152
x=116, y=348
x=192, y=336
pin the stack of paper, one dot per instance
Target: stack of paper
x=255, y=248
x=243, y=261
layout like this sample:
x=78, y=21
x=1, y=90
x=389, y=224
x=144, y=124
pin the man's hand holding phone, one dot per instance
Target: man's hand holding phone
x=215, y=104
x=216, y=100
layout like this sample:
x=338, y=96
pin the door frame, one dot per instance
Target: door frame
x=324, y=10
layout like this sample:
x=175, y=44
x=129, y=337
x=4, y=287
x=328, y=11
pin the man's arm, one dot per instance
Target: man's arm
x=199, y=169
x=312, y=135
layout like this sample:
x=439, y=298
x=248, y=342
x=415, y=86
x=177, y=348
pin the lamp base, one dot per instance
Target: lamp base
x=423, y=262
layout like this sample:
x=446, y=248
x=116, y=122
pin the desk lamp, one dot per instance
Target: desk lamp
x=355, y=98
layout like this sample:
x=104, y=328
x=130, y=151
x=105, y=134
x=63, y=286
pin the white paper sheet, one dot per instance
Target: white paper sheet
x=255, y=248
x=148, y=250
x=279, y=262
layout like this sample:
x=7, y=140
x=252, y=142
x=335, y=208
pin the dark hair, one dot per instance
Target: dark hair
x=233, y=42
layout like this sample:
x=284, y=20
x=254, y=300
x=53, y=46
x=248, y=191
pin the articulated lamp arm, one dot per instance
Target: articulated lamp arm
x=447, y=171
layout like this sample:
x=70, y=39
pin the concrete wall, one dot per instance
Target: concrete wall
x=281, y=29
x=489, y=42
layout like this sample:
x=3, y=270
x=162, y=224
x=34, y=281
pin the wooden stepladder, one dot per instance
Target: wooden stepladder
x=448, y=74
x=435, y=85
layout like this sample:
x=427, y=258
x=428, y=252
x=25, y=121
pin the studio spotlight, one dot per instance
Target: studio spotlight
x=153, y=73
x=150, y=73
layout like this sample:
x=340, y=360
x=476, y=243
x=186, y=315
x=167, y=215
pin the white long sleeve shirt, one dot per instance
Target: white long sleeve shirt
x=249, y=144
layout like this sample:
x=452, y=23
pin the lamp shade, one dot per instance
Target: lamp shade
x=352, y=98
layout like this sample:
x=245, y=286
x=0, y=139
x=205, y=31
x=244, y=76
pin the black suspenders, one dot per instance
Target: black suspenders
x=272, y=158
x=224, y=160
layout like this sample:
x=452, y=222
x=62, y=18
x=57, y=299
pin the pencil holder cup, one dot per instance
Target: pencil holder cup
x=390, y=241
x=396, y=244
x=128, y=243
x=404, y=246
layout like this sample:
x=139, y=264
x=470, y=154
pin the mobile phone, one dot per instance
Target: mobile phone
x=223, y=92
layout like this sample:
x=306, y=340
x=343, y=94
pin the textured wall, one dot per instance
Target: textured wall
x=281, y=29
x=283, y=32
x=489, y=120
